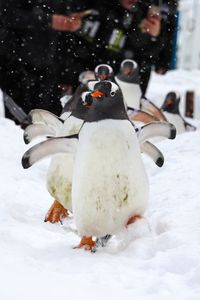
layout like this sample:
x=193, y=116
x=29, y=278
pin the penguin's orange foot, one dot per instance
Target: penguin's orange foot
x=56, y=213
x=86, y=243
x=133, y=219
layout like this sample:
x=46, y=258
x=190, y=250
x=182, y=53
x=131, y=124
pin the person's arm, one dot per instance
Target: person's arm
x=16, y=17
x=66, y=23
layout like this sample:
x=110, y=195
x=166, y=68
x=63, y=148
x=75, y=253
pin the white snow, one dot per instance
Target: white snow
x=157, y=258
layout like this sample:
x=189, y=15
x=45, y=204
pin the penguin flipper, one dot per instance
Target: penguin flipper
x=153, y=152
x=51, y=146
x=156, y=129
x=188, y=126
x=149, y=107
x=35, y=130
x=45, y=117
x=140, y=116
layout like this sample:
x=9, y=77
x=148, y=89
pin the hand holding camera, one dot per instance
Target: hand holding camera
x=152, y=23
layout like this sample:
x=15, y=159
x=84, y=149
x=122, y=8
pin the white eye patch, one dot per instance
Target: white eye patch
x=114, y=88
x=91, y=84
x=103, y=65
x=135, y=65
x=83, y=97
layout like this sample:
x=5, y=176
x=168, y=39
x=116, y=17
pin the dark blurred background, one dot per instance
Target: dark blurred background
x=45, y=45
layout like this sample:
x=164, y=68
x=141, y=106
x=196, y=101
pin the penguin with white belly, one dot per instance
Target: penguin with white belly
x=171, y=111
x=59, y=178
x=128, y=80
x=110, y=186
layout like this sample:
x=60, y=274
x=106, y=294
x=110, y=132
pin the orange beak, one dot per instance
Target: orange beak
x=97, y=94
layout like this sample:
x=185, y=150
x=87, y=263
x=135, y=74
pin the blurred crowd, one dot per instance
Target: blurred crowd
x=45, y=44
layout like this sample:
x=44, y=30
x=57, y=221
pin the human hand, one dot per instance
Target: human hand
x=151, y=25
x=66, y=23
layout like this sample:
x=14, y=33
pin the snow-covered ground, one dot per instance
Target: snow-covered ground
x=157, y=258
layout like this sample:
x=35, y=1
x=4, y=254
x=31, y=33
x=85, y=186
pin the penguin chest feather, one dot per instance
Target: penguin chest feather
x=109, y=183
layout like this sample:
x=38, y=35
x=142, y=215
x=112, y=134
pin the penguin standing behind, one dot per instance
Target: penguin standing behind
x=128, y=80
x=171, y=111
x=59, y=178
x=110, y=188
x=104, y=72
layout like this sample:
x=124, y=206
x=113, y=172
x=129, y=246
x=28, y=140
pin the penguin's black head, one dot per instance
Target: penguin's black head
x=171, y=103
x=128, y=67
x=79, y=103
x=129, y=71
x=107, y=101
x=104, y=72
x=103, y=90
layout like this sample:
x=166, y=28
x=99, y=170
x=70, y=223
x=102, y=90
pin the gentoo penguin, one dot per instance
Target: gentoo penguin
x=83, y=79
x=171, y=111
x=104, y=72
x=131, y=100
x=110, y=186
x=140, y=109
x=128, y=80
x=45, y=123
x=59, y=178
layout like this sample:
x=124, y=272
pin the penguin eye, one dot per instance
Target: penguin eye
x=86, y=99
x=112, y=94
